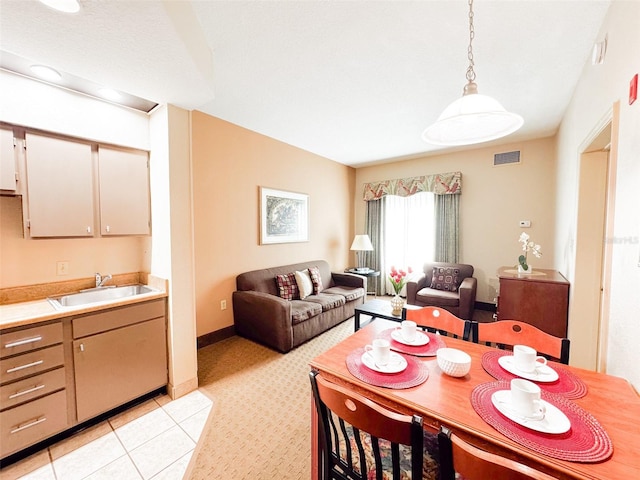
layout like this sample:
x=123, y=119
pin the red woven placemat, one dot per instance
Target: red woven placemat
x=428, y=350
x=568, y=385
x=415, y=373
x=586, y=441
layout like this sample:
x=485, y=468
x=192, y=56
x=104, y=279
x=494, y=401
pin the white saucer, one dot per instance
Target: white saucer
x=542, y=373
x=420, y=339
x=397, y=363
x=554, y=420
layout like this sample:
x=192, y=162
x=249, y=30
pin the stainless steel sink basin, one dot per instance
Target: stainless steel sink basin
x=95, y=295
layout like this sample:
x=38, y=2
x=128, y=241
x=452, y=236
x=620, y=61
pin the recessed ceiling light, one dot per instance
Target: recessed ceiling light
x=66, y=6
x=46, y=73
x=109, y=94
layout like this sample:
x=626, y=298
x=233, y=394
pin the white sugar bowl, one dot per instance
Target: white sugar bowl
x=453, y=362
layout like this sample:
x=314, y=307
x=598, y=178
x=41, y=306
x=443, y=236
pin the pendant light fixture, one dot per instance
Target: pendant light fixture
x=473, y=118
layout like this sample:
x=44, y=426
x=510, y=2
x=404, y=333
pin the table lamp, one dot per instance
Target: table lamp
x=361, y=244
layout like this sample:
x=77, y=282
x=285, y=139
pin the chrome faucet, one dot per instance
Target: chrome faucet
x=100, y=280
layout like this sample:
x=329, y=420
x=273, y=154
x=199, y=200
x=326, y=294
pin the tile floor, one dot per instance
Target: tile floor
x=153, y=440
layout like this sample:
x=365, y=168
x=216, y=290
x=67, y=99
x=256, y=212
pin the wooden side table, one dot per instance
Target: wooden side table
x=373, y=274
x=540, y=298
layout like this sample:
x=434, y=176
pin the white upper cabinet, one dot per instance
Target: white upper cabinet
x=60, y=187
x=124, y=192
x=8, y=170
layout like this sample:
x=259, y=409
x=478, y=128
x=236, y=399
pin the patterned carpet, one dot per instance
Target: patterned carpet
x=260, y=422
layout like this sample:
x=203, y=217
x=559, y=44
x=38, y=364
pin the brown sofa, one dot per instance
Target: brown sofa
x=460, y=302
x=260, y=314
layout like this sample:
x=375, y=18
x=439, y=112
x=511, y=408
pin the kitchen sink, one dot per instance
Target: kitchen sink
x=101, y=294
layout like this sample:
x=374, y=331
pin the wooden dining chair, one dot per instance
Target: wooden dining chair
x=507, y=333
x=438, y=319
x=360, y=439
x=471, y=463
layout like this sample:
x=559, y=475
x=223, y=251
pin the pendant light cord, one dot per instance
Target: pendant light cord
x=471, y=74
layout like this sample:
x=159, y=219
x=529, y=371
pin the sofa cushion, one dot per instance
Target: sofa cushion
x=349, y=293
x=445, y=278
x=431, y=296
x=327, y=301
x=305, y=287
x=316, y=279
x=287, y=286
x=302, y=310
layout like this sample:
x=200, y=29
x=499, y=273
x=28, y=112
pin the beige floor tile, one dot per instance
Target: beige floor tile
x=80, y=439
x=120, y=469
x=89, y=458
x=35, y=467
x=144, y=428
x=186, y=406
x=195, y=423
x=176, y=470
x=133, y=413
x=161, y=451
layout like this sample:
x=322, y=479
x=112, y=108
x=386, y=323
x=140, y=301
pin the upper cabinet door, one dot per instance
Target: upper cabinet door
x=60, y=187
x=124, y=192
x=7, y=161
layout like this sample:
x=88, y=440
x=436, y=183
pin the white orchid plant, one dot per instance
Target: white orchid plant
x=528, y=246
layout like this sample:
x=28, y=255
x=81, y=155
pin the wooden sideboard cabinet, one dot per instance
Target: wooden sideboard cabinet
x=540, y=299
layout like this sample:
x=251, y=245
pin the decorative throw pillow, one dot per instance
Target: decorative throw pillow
x=287, y=286
x=304, y=284
x=314, y=272
x=445, y=278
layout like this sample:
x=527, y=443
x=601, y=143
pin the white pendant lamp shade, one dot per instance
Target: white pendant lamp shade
x=472, y=118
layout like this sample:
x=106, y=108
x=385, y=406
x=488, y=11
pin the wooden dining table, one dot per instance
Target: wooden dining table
x=445, y=400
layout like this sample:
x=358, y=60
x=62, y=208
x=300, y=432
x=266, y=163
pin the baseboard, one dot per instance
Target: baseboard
x=177, y=391
x=217, y=336
x=488, y=307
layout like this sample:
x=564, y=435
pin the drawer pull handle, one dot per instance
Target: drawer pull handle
x=28, y=425
x=35, y=388
x=28, y=365
x=23, y=342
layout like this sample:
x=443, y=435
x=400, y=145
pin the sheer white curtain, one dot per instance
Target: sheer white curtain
x=409, y=234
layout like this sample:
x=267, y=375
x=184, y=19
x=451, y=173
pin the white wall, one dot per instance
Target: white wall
x=29, y=103
x=599, y=87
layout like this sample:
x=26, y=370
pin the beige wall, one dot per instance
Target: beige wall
x=230, y=163
x=600, y=86
x=494, y=199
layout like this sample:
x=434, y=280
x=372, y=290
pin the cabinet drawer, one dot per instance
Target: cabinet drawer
x=30, y=338
x=30, y=363
x=32, y=387
x=34, y=421
x=116, y=318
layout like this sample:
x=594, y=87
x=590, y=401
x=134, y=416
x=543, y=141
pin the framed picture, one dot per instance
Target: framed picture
x=284, y=216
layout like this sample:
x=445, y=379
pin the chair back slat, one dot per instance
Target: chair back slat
x=439, y=319
x=514, y=332
x=472, y=463
x=359, y=418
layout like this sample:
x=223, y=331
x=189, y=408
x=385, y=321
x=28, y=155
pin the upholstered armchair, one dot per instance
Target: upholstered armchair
x=447, y=285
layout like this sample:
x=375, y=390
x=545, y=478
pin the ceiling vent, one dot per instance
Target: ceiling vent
x=506, y=158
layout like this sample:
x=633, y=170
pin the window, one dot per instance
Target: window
x=409, y=233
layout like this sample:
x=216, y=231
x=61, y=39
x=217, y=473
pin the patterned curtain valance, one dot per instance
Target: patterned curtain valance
x=440, y=184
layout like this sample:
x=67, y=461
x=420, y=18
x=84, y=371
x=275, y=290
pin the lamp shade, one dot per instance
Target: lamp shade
x=361, y=242
x=472, y=118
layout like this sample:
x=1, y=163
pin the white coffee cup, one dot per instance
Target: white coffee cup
x=525, y=399
x=408, y=330
x=526, y=359
x=380, y=350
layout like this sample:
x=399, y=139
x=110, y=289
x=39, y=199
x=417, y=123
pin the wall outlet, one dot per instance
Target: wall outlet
x=62, y=268
x=525, y=223
x=223, y=304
